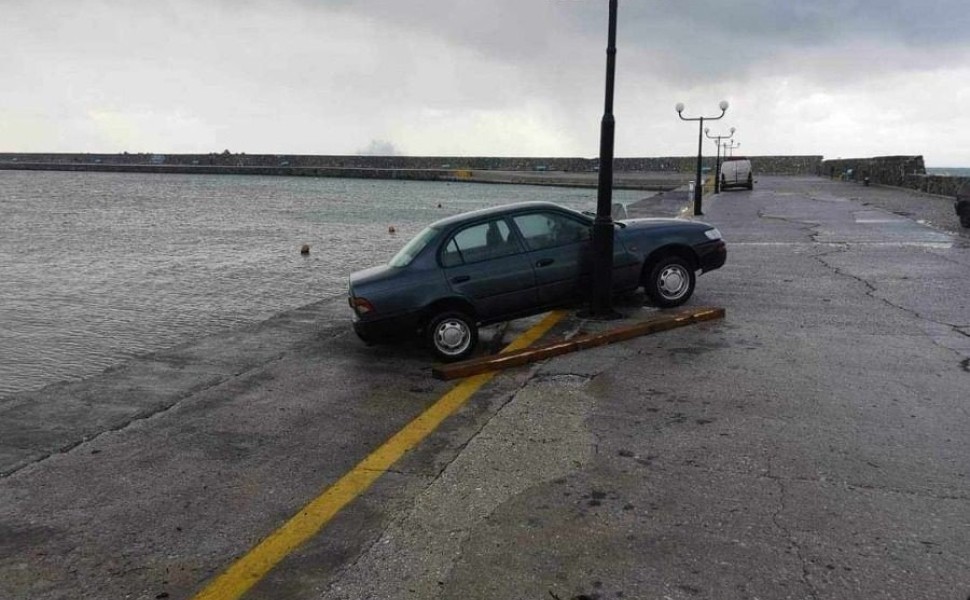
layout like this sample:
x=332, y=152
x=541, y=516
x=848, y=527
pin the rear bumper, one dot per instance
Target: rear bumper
x=374, y=331
x=712, y=255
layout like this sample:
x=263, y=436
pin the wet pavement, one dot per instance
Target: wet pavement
x=812, y=444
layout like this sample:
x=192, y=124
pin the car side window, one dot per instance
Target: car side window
x=484, y=241
x=451, y=255
x=547, y=230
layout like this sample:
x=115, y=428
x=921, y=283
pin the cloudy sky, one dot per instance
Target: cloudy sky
x=484, y=77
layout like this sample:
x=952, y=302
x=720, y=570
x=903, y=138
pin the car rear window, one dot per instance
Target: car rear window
x=546, y=230
x=406, y=254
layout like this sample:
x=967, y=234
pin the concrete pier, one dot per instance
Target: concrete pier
x=810, y=445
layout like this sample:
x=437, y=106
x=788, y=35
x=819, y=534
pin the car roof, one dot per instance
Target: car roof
x=497, y=210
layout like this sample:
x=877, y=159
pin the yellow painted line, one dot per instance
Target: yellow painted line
x=255, y=564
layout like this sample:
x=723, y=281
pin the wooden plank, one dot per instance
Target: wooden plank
x=495, y=362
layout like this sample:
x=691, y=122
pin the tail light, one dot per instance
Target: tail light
x=361, y=306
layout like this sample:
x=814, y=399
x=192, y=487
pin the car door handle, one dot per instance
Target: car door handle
x=545, y=262
x=460, y=279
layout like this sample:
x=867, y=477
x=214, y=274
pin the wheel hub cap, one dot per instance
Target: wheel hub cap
x=672, y=282
x=451, y=336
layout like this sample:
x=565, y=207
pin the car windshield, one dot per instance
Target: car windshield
x=406, y=254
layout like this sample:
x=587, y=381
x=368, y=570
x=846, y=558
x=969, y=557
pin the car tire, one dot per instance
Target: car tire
x=451, y=335
x=670, y=282
x=368, y=340
x=750, y=182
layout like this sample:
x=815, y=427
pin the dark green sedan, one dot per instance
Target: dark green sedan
x=512, y=261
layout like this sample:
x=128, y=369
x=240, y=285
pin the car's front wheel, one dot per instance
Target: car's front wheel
x=670, y=282
x=452, y=335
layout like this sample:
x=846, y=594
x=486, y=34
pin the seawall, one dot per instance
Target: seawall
x=646, y=173
x=899, y=171
x=414, y=167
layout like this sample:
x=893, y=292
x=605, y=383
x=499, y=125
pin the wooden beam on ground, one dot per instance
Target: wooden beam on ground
x=496, y=362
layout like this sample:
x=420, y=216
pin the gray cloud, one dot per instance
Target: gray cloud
x=537, y=28
x=450, y=76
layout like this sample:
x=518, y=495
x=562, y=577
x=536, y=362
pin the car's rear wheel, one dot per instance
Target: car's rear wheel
x=452, y=335
x=750, y=182
x=670, y=282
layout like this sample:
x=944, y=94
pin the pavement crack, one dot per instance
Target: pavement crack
x=776, y=519
x=872, y=290
x=916, y=494
x=567, y=378
x=146, y=415
x=808, y=227
x=824, y=481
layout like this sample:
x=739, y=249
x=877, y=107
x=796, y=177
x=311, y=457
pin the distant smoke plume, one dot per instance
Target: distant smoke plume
x=379, y=148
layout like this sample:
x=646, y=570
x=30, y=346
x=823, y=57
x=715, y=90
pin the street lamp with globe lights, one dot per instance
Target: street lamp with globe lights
x=600, y=306
x=717, y=161
x=723, y=105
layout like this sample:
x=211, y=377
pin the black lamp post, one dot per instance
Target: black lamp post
x=717, y=157
x=601, y=300
x=700, y=140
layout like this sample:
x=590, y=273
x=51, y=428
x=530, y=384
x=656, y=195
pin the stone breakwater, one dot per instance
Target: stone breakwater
x=379, y=166
x=647, y=173
x=899, y=171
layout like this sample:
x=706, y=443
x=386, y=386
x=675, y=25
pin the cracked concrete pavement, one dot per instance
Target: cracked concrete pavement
x=810, y=445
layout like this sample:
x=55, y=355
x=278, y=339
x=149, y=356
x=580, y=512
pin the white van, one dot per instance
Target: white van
x=736, y=172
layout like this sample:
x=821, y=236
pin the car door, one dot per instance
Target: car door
x=559, y=250
x=486, y=263
x=626, y=264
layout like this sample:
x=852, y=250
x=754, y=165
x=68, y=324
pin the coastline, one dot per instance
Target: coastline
x=133, y=262
x=153, y=382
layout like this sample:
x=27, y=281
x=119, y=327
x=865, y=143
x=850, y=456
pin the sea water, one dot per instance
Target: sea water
x=949, y=171
x=98, y=267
